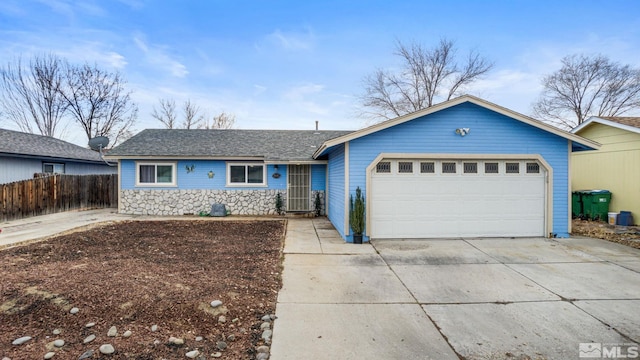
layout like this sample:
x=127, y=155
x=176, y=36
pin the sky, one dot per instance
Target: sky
x=285, y=64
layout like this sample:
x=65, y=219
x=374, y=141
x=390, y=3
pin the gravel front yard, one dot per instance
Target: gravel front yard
x=133, y=275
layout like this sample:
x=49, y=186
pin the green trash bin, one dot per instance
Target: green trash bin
x=595, y=204
x=576, y=204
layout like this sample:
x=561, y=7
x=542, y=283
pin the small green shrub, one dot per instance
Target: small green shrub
x=356, y=212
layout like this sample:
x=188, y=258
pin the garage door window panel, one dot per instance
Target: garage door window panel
x=427, y=167
x=512, y=168
x=383, y=167
x=448, y=167
x=491, y=168
x=405, y=167
x=533, y=168
x=470, y=167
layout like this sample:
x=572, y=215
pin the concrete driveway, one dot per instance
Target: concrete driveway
x=451, y=299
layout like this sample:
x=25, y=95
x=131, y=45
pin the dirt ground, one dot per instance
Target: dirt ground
x=627, y=235
x=133, y=275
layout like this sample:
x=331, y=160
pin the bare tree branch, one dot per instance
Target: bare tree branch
x=30, y=95
x=220, y=121
x=426, y=76
x=166, y=114
x=191, y=116
x=587, y=86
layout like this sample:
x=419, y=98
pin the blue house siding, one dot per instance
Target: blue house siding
x=336, y=189
x=318, y=177
x=490, y=133
x=198, y=178
x=22, y=168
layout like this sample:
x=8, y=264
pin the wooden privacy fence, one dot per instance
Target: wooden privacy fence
x=57, y=193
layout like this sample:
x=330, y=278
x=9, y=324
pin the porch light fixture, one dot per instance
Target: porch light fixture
x=211, y=174
x=462, y=131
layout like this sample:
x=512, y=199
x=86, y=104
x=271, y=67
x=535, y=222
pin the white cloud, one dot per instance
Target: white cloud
x=300, y=92
x=158, y=57
x=292, y=41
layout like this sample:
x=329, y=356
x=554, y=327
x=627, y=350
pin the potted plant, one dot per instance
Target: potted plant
x=356, y=216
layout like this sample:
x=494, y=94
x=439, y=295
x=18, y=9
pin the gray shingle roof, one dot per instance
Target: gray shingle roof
x=292, y=145
x=25, y=144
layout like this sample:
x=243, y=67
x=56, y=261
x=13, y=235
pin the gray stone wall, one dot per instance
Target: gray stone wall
x=182, y=202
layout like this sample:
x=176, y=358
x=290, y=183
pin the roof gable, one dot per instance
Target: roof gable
x=15, y=143
x=267, y=145
x=585, y=143
x=631, y=124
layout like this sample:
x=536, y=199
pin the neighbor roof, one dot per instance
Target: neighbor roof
x=625, y=123
x=582, y=142
x=267, y=145
x=15, y=143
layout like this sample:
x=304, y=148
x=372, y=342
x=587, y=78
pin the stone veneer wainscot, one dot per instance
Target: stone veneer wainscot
x=183, y=202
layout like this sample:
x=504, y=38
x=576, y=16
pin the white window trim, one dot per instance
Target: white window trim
x=174, y=174
x=264, y=175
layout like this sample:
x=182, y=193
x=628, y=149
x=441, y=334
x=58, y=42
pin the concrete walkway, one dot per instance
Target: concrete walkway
x=39, y=227
x=448, y=299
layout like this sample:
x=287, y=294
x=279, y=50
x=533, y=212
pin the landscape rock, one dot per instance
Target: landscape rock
x=262, y=356
x=113, y=331
x=89, y=339
x=262, y=349
x=216, y=354
x=85, y=355
x=74, y=310
x=57, y=331
x=266, y=335
x=49, y=355
x=91, y=324
x=127, y=333
x=266, y=318
x=58, y=343
x=199, y=338
x=216, y=303
x=22, y=340
x=231, y=337
x=107, y=349
x=176, y=341
x=221, y=345
x=265, y=325
x=222, y=319
x=154, y=328
x=192, y=354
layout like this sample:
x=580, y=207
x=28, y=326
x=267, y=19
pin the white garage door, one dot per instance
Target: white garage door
x=457, y=198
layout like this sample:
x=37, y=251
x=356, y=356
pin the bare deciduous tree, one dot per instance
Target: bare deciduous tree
x=426, y=76
x=99, y=102
x=168, y=117
x=166, y=114
x=30, y=96
x=587, y=86
x=191, y=115
x=220, y=121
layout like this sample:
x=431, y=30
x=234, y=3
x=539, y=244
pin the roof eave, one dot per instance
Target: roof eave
x=598, y=120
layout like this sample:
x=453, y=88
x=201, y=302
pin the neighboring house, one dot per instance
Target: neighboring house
x=22, y=155
x=615, y=166
x=462, y=168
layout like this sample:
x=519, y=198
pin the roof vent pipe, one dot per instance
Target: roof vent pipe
x=316, y=125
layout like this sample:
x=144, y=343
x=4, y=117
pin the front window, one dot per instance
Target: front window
x=53, y=168
x=246, y=174
x=156, y=174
